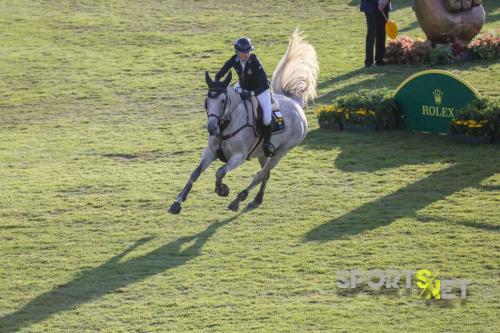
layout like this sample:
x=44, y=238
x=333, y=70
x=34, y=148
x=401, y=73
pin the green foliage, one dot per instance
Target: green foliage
x=486, y=46
x=479, y=118
x=364, y=107
x=329, y=113
x=406, y=50
x=441, y=55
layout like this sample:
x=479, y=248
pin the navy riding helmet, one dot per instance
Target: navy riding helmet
x=243, y=45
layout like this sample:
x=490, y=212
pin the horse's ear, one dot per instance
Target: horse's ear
x=208, y=80
x=227, y=80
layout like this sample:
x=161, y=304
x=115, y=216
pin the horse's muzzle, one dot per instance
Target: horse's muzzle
x=212, y=126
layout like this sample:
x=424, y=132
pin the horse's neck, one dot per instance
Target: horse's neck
x=240, y=114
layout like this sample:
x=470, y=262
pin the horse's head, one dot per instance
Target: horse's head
x=217, y=101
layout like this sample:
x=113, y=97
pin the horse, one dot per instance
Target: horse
x=232, y=136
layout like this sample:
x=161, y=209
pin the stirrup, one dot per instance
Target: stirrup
x=269, y=149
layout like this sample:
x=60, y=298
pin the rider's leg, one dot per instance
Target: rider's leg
x=265, y=103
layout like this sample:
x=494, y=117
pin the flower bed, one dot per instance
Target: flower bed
x=479, y=122
x=406, y=50
x=329, y=117
x=376, y=110
x=364, y=110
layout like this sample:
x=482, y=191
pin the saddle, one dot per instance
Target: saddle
x=277, y=120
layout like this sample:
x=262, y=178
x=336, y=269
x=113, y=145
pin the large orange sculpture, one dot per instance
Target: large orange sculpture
x=446, y=20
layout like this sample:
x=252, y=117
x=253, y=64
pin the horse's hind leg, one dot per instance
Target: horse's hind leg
x=207, y=158
x=260, y=196
x=235, y=161
x=261, y=175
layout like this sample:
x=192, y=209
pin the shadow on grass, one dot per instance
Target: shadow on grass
x=376, y=77
x=109, y=277
x=390, y=76
x=371, y=152
x=490, y=7
x=411, y=26
x=492, y=18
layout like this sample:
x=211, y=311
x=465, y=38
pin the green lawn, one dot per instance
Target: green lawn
x=101, y=122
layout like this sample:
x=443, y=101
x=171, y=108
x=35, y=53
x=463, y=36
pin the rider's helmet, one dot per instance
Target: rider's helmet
x=243, y=44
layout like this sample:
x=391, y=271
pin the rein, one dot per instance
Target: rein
x=221, y=123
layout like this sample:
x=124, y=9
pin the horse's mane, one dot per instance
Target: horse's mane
x=297, y=71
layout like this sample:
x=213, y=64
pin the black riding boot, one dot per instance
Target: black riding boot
x=268, y=147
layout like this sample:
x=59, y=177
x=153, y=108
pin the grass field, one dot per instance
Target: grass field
x=101, y=122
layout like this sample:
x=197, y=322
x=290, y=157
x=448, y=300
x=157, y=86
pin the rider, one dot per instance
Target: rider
x=252, y=77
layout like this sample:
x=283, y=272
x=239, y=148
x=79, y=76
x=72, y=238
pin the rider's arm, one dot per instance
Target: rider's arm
x=227, y=66
x=260, y=74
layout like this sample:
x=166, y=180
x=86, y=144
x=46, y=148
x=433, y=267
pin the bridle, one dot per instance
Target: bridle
x=214, y=93
x=221, y=122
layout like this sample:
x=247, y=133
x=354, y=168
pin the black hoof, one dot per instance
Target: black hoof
x=234, y=206
x=175, y=208
x=253, y=205
x=243, y=195
x=222, y=190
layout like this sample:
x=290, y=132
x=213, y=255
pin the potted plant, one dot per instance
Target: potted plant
x=369, y=110
x=362, y=120
x=478, y=122
x=330, y=117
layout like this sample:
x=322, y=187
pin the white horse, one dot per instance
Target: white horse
x=232, y=136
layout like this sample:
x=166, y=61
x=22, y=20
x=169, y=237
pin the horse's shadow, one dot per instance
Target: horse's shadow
x=109, y=277
x=371, y=152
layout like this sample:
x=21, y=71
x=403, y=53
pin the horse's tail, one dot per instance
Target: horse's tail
x=297, y=71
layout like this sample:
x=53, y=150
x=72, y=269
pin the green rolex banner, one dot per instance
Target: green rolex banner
x=430, y=99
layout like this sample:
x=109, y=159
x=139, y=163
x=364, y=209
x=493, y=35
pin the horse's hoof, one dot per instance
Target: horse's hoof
x=222, y=190
x=175, y=208
x=253, y=205
x=243, y=195
x=234, y=206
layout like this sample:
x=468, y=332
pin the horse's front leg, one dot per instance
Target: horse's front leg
x=260, y=196
x=207, y=158
x=262, y=175
x=235, y=161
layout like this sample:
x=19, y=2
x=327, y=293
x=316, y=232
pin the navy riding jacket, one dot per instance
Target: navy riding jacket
x=371, y=6
x=253, y=78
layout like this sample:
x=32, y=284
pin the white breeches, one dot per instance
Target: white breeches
x=265, y=103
